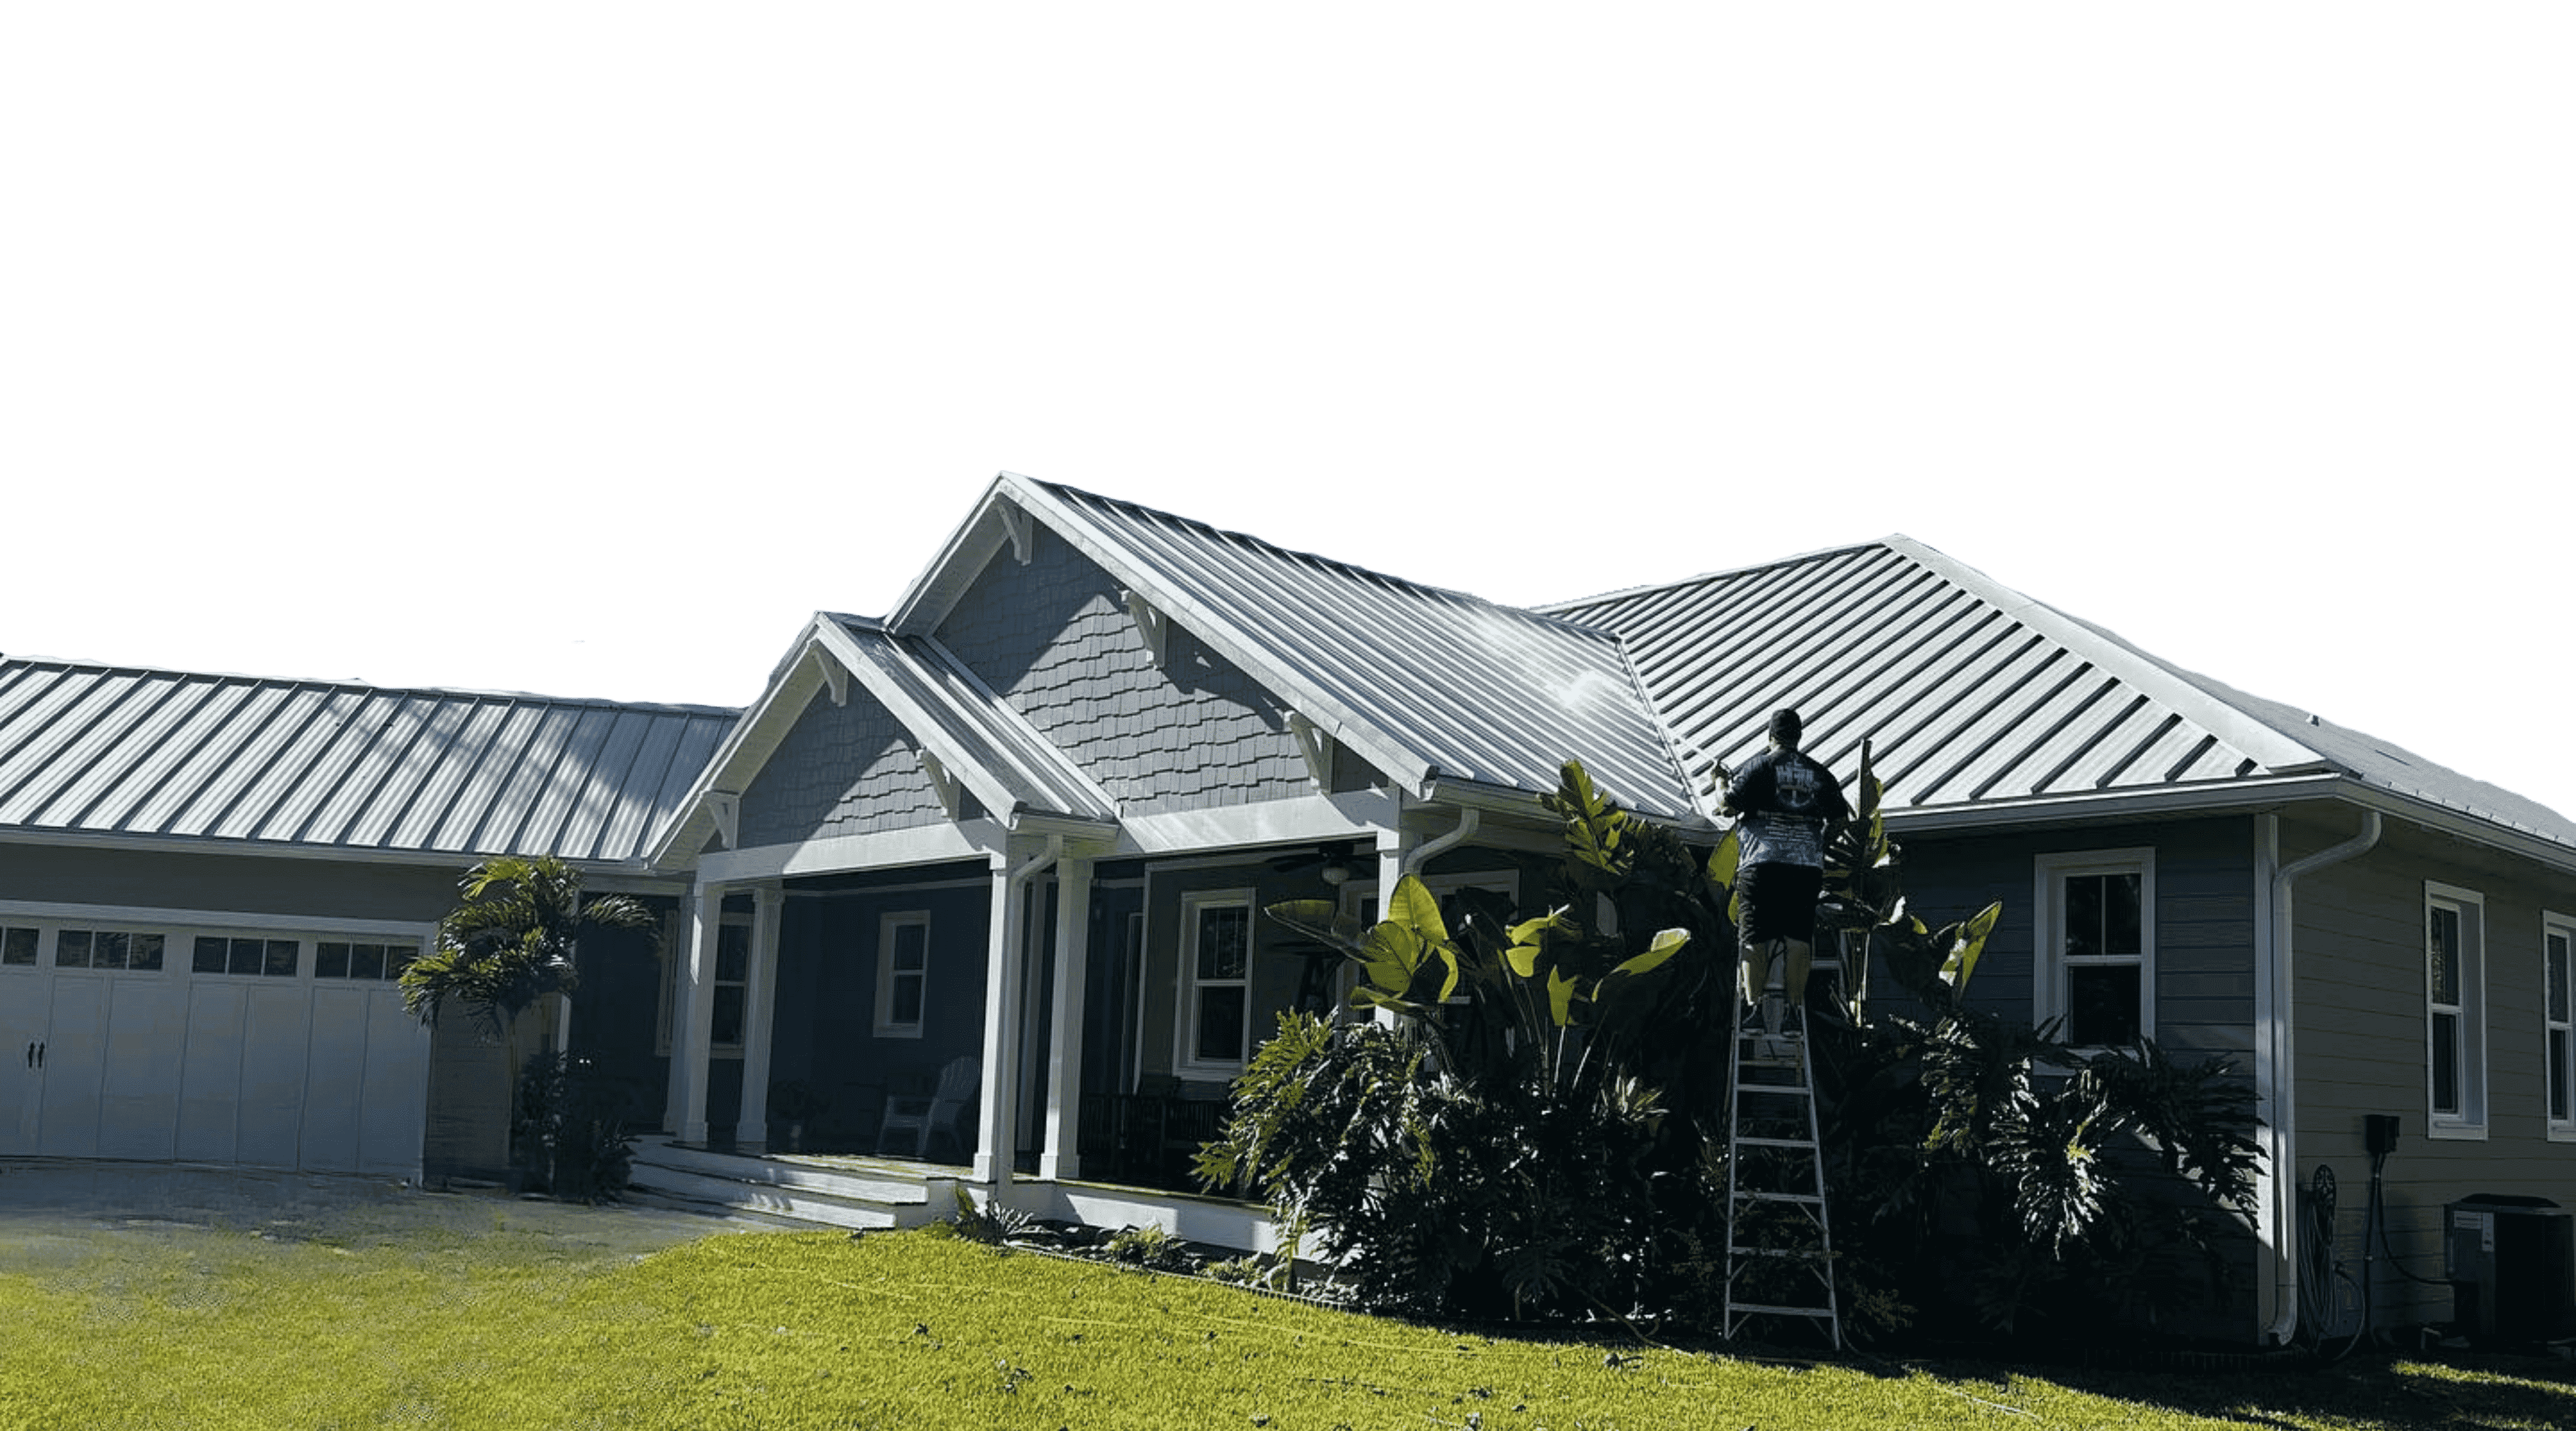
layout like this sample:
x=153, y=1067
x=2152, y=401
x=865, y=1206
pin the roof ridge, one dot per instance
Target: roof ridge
x=1626, y=592
x=352, y=683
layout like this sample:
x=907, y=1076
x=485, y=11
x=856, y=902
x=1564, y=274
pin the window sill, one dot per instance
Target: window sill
x=898, y=1031
x=2456, y=1132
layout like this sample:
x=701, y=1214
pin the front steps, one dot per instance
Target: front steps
x=865, y=1194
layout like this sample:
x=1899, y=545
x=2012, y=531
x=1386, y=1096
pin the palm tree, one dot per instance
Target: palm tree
x=508, y=944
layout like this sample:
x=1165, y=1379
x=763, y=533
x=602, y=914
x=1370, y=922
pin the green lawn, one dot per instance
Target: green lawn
x=437, y=1326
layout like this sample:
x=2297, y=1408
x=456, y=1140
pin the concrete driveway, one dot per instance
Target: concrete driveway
x=53, y=1201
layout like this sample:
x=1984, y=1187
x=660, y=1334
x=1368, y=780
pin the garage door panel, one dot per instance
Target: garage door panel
x=210, y=1075
x=147, y=1027
x=276, y=1025
x=397, y=1088
x=336, y=1080
x=74, y=1054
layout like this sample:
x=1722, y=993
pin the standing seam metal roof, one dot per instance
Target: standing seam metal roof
x=104, y=750
x=1467, y=689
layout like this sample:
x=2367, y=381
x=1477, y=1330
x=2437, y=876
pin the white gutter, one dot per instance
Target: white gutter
x=2275, y=1066
x=1420, y=855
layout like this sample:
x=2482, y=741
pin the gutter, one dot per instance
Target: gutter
x=2275, y=1062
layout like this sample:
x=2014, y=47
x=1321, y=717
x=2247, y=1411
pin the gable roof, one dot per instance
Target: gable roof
x=1977, y=698
x=139, y=754
x=1432, y=687
x=1012, y=771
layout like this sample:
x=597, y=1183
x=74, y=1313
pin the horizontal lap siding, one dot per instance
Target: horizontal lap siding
x=2204, y=918
x=841, y=770
x=1055, y=640
x=2359, y=959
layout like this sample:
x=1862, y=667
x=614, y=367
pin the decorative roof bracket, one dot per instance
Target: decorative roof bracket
x=836, y=675
x=726, y=807
x=1154, y=624
x=1016, y=522
x=942, y=783
x=1317, y=746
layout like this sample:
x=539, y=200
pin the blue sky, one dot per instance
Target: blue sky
x=587, y=349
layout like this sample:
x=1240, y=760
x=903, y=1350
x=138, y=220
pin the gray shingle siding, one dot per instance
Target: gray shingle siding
x=1054, y=639
x=842, y=770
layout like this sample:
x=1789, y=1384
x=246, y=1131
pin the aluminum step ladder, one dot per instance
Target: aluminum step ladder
x=1779, y=1234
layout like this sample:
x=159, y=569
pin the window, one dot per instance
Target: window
x=268, y=958
x=732, y=982
x=2097, y=965
x=17, y=945
x=903, y=973
x=1216, y=969
x=107, y=949
x=2558, y=1022
x=350, y=959
x=2455, y=1085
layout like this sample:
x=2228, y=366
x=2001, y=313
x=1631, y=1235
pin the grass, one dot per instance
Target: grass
x=442, y=1327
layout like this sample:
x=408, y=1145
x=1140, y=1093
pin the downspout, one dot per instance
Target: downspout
x=2275, y=1067
x=1469, y=818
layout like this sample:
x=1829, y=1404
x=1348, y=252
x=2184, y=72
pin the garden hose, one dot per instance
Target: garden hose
x=2328, y=1291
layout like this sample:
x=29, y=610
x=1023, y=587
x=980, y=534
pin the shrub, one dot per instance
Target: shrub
x=569, y=1133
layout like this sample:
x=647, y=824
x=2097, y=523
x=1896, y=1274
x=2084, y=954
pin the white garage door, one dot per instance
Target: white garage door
x=162, y=1039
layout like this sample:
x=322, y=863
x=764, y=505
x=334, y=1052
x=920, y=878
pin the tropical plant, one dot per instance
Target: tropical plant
x=507, y=944
x=570, y=1129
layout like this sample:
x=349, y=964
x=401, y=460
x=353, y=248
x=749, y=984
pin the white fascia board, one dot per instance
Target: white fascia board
x=2267, y=745
x=1307, y=819
x=884, y=849
x=1405, y=766
x=447, y=862
x=960, y=559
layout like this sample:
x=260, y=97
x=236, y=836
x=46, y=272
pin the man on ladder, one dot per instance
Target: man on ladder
x=1776, y=1214
x=1784, y=802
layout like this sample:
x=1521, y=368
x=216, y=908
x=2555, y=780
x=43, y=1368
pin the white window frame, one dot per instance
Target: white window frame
x=1185, y=1060
x=748, y=921
x=2469, y=1120
x=2558, y=1023
x=889, y=925
x=2050, y=985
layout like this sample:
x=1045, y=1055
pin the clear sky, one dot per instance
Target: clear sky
x=588, y=349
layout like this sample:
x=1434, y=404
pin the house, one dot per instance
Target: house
x=1027, y=819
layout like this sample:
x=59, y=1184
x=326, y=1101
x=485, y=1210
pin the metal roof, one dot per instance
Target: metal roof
x=121, y=751
x=1012, y=768
x=1429, y=685
x=1973, y=694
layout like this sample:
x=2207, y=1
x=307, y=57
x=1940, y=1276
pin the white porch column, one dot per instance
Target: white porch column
x=695, y=1036
x=995, y=1111
x=1061, y=1157
x=760, y=1001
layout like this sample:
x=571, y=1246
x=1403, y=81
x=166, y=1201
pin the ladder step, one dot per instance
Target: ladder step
x=1746, y=1309
x=1807, y=1143
x=1813, y=1253
x=1802, y=1199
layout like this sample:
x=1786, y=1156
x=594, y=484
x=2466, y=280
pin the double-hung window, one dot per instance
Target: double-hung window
x=2455, y=1081
x=1216, y=981
x=2096, y=971
x=2558, y=1022
x=903, y=973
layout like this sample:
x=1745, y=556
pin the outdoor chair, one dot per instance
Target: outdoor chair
x=936, y=1112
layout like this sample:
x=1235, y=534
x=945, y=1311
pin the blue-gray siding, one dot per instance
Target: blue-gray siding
x=1054, y=640
x=841, y=770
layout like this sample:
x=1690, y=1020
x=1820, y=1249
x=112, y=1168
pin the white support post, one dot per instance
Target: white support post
x=1061, y=1157
x=675, y=1087
x=760, y=1001
x=996, y=1112
x=695, y=1046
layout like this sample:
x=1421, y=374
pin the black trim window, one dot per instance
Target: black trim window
x=267, y=958
x=17, y=945
x=349, y=959
x=107, y=949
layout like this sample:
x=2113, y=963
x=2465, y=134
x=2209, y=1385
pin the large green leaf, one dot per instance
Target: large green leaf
x=1322, y=920
x=1560, y=997
x=1666, y=944
x=1595, y=826
x=1415, y=907
x=1723, y=860
x=1967, y=944
x=1394, y=958
x=1529, y=940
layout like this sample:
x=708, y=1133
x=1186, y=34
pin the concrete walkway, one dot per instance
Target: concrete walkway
x=53, y=1200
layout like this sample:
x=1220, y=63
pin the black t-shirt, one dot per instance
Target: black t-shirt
x=1785, y=800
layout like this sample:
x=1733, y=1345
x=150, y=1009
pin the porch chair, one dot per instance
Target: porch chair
x=936, y=1112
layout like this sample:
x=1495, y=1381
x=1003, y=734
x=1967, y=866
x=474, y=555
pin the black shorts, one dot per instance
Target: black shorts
x=1777, y=902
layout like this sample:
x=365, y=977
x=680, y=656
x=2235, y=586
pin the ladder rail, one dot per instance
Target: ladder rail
x=1787, y=1052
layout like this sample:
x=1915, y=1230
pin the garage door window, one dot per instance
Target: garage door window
x=270, y=958
x=106, y=949
x=343, y=959
x=17, y=946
